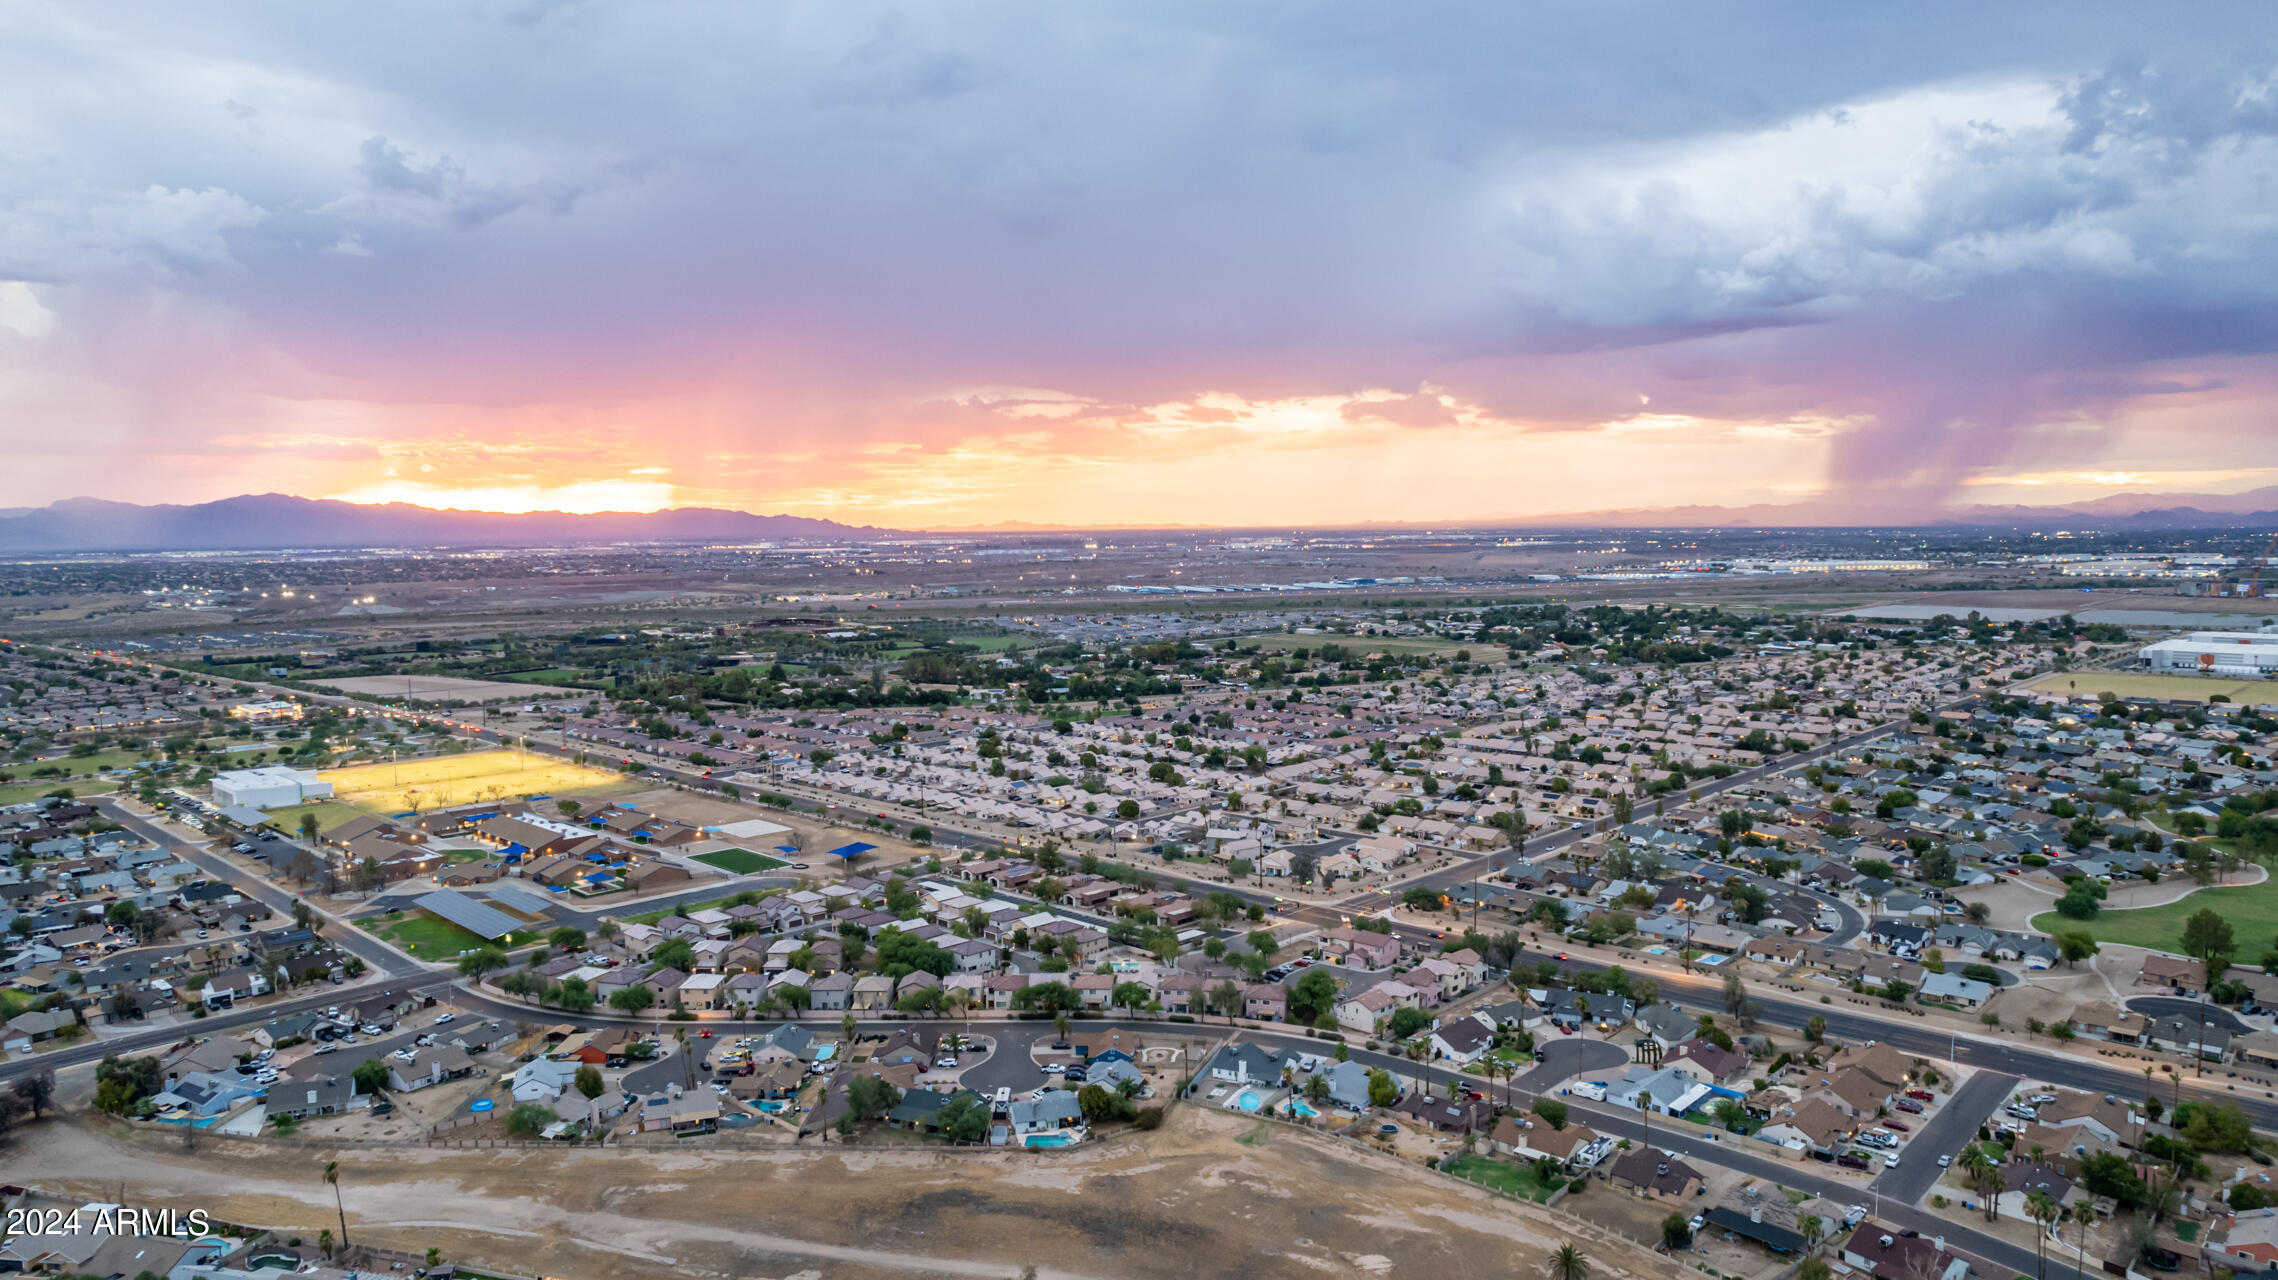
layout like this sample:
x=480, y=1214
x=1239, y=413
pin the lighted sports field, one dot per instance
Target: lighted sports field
x=2131, y=684
x=439, y=781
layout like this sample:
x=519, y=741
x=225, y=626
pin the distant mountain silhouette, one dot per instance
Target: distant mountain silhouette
x=274, y=521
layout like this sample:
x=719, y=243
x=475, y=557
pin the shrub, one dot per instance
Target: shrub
x=1148, y=1118
x=1578, y=1186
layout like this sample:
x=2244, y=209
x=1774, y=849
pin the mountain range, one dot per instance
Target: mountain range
x=275, y=521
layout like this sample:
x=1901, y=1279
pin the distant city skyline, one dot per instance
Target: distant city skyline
x=932, y=267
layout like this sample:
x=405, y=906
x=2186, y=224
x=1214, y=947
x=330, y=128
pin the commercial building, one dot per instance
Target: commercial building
x=274, y=787
x=2217, y=653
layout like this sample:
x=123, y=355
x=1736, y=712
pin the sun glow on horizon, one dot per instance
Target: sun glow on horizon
x=578, y=497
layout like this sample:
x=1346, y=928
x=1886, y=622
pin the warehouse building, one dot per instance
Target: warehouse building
x=2216, y=653
x=275, y=787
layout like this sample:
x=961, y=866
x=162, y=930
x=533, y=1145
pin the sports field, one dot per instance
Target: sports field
x=2133, y=684
x=442, y=688
x=440, y=781
x=741, y=861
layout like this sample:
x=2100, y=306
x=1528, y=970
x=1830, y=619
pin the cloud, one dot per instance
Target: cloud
x=1894, y=254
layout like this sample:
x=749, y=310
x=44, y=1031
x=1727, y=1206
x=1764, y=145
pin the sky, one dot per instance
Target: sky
x=938, y=266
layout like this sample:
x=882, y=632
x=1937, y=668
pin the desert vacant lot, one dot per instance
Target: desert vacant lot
x=1208, y=1195
x=2143, y=685
x=438, y=781
x=443, y=688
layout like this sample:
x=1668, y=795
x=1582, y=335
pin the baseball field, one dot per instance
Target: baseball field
x=440, y=781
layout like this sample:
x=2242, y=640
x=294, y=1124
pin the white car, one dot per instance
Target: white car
x=324, y=1048
x=442, y=1018
x=1945, y=1162
x=373, y=1029
x=1890, y=1162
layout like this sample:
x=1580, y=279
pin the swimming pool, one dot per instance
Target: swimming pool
x=824, y=1053
x=1047, y=1140
x=1248, y=1100
x=1298, y=1107
x=771, y=1106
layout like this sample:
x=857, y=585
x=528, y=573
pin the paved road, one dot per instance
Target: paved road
x=380, y=956
x=2177, y=1007
x=1953, y=1123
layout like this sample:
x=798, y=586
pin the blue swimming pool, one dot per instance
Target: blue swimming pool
x=1249, y=1100
x=1298, y=1107
x=771, y=1105
x=1047, y=1140
x=824, y=1053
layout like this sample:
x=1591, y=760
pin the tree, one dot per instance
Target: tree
x=2044, y=1210
x=528, y=1120
x=1382, y=1091
x=869, y=1096
x=1312, y=996
x=632, y=999
x=568, y=938
x=36, y=1091
x=1100, y=1103
x=332, y=1179
x=2081, y=900
x=1407, y=1022
x=1131, y=995
x=1226, y=1000
x=964, y=1118
x=1813, y=1269
x=370, y=1075
x=588, y=1081
x=2076, y=946
x=2207, y=939
x=1552, y=1111
x=1815, y=1029
x=1569, y=1264
x=673, y=953
x=1676, y=1233
x=573, y=995
x=482, y=960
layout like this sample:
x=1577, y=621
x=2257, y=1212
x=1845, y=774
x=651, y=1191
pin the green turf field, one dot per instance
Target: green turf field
x=428, y=937
x=741, y=861
x=2252, y=910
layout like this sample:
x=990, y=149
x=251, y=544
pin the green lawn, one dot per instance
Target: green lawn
x=2251, y=909
x=741, y=861
x=715, y=904
x=426, y=936
x=1513, y=1179
x=329, y=815
x=18, y=792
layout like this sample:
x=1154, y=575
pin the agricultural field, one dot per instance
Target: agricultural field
x=439, y=688
x=2135, y=684
x=439, y=781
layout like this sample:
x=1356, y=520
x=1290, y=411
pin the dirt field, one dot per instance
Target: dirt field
x=1208, y=1195
x=2145, y=685
x=475, y=775
x=448, y=688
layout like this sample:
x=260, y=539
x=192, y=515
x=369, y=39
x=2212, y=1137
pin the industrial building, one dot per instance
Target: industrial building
x=275, y=787
x=2215, y=653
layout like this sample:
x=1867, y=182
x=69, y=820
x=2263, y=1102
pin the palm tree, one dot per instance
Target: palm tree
x=332, y=1179
x=1645, y=1113
x=2045, y=1211
x=2084, y=1213
x=1811, y=1225
x=1569, y=1264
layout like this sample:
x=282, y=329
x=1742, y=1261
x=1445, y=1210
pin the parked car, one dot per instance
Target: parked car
x=1909, y=1106
x=1921, y=1095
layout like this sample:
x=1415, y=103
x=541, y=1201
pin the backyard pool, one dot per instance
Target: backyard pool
x=1298, y=1107
x=1047, y=1140
x=771, y=1106
x=1248, y=1100
x=824, y=1053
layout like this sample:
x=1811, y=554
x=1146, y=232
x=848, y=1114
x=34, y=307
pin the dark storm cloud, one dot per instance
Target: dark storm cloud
x=809, y=211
